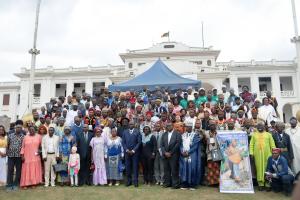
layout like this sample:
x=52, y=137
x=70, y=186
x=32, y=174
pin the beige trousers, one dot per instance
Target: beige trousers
x=48, y=164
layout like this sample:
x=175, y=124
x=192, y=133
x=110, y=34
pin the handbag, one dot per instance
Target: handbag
x=216, y=155
x=60, y=167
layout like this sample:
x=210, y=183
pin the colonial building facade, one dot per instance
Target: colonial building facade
x=279, y=77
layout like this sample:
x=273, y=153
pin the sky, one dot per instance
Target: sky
x=79, y=33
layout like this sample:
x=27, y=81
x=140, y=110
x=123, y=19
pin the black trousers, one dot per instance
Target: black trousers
x=12, y=163
x=284, y=183
x=148, y=168
x=171, y=171
x=84, y=172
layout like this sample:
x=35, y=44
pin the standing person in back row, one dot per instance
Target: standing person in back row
x=170, y=149
x=14, y=145
x=132, y=141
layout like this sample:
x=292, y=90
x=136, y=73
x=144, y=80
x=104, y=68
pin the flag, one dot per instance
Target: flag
x=165, y=34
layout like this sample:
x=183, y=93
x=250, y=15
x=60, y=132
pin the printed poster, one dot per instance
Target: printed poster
x=235, y=170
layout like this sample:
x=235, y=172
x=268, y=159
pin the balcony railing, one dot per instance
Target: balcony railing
x=36, y=100
x=288, y=93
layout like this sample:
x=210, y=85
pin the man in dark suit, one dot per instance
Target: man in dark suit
x=84, y=150
x=170, y=148
x=131, y=141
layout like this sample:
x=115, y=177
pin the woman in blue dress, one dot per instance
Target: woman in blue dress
x=114, y=154
x=67, y=141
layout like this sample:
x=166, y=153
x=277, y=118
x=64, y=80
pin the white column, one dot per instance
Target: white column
x=46, y=91
x=70, y=87
x=254, y=84
x=234, y=83
x=89, y=86
x=276, y=85
x=107, y=82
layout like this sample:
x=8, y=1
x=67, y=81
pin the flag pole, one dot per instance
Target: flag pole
x=202, y=35
x=34, y=52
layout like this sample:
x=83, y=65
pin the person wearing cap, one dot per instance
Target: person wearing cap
x=282, y=140
x=184, y=102
x=190, y=159
x=67, y=141
x=261, y=145
x=294, y=133
x=131, y=142
x=278, y=173
x=50, y=153
x=158, y=109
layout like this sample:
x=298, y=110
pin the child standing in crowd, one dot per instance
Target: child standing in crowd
x=74, y=166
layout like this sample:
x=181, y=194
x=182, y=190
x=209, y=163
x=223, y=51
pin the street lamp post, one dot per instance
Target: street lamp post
x=34, y=52
x=296, y=40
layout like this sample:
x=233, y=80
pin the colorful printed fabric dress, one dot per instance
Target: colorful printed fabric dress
x=114, y=154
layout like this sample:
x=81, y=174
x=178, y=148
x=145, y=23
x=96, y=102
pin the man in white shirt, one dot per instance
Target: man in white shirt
x=50, y=152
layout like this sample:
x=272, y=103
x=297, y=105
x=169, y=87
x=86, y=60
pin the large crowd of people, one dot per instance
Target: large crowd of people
x=168, y=136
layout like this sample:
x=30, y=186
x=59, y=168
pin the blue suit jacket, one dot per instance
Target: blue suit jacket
x=132, y=141
x=280, y=169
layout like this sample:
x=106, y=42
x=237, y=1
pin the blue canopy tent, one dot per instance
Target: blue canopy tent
x=158, y=75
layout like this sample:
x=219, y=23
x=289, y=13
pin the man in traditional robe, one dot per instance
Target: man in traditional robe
x=190, y=161
x=294, y=133
x=261, y=146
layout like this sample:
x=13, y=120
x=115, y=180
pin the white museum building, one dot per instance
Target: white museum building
x=191, y=62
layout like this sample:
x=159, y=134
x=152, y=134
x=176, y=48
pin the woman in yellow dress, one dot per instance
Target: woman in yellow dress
x=3, y=165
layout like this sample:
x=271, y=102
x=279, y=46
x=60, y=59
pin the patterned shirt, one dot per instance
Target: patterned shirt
x=14, y=144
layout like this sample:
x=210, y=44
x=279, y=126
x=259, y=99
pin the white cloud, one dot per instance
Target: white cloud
x=94, y=32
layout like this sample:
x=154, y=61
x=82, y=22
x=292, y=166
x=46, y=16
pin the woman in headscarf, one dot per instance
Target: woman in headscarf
x=98, y=144
x=67, y=141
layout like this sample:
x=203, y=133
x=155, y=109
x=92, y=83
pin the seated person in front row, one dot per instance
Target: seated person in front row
x=279, y=174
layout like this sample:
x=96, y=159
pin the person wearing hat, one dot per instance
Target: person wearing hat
x=261, y=145
x=278, y=173
x=158, y=109
x=190, y=159
x=294, y=133
x=67, y=141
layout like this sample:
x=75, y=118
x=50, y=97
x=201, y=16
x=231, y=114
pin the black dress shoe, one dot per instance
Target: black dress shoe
x=166, y=186
x=136, y=185
x=175, y=187
x=128, y=184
